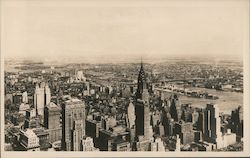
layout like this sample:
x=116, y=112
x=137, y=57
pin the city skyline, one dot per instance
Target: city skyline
x=115, y=76
x=77, y=111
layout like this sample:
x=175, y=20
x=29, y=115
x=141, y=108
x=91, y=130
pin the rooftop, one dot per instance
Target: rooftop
x=53, y=106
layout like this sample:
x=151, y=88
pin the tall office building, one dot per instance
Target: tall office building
x=86, y=91
x=131, y=114
x=39, y=99
x=87, y=144
x=47, y=94
x=142, y=111
x=25, y=97
x=142, y=89
x=201, y=123
x=80, y=76
x=186, y=132
x=175, y=109
x=52, y=116
x=178, y=143
x=212, y=124
x=73, y=124
x=237, y=121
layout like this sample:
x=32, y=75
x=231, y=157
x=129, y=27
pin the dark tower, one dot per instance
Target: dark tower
x=141, y=85
x=173, y=109
x=142, y=111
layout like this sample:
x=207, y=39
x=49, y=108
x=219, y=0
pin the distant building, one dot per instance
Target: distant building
x=178, y=143
x=105, y=138
x=105, y=123
x=31, y=120
x=25, y=97
x=143, y=144
x=43, y=136
x=39, y=99
x=175, y=109
x=23, y=108
x=161, y=130
x=121, y=145
x=80, y=76
x=17, y=119
x=47, y=94
x=52, y=121
x=131, y=114
x=203, y=146
x=198, y=136
x=42, y=97
x=229, y=138
x=73, y=124
x=114, y=139
x=237, y=122
x=142, y=111
x=201, y=123
x=157, y=145
x=126, y=92
x=87, y=144
x=171, y=128
x=195, y=116
x=212, y=121
x=17, y=98
x=186, y=132
x=29, y=140
x=92, y=128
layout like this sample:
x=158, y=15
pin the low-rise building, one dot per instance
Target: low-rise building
x=29, y=140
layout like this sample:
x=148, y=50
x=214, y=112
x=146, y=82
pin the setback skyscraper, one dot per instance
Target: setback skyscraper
x=73, y=124
x=142, y=111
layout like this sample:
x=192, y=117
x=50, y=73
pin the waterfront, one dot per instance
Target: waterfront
x=227, y=101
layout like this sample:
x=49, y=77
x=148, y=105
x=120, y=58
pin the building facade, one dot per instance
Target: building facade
x=142, y=110
x=52, y=121
x=212, y=122
x=29, y=140
x=73, y=124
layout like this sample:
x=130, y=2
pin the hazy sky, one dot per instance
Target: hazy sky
x=53, y=29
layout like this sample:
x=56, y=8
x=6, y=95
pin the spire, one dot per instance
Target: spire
x=141, y=85
x=141, y=63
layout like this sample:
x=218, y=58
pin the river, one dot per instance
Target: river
x=227, y=101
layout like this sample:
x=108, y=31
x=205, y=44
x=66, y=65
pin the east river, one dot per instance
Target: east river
x=227, y=101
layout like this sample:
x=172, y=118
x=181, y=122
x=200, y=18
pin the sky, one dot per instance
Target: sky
x=111, y=30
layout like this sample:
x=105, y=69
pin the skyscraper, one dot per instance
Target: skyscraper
x=52, y=115
x=178, y=143
x=142, y=89
x=131, y=114
x=39, y=99
x=142, y=111
x=175, y=110
x=212, y=124
x=25, y=97
x=47, y=94
x=73, y=124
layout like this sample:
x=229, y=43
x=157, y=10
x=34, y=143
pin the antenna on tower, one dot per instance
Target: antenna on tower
x=184, y=85
x=141, y=62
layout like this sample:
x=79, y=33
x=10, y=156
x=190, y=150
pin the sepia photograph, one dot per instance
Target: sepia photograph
x=116, y=78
